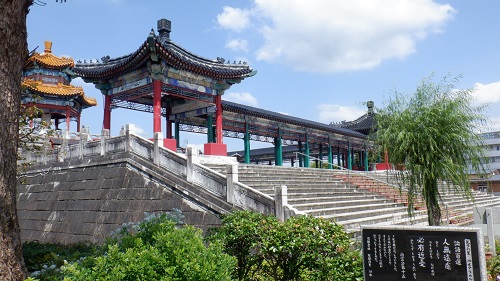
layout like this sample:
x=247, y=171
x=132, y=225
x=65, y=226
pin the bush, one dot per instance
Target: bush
x=43, y=260
x=301, y=248
x=155, y=249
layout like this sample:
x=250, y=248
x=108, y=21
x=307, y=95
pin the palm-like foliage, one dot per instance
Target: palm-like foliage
x=433, y=135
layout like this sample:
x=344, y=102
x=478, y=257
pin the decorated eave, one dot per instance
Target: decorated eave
x=58, y=90
x=46, y=76
x=48, y=60
x=157, y=48
x=287, y=119
x=364, y=124
x=264, y=125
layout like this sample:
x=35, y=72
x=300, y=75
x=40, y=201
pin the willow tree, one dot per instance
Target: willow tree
x=432, y=136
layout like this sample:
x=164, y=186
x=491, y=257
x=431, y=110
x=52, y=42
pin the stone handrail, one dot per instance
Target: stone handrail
x=227, y=188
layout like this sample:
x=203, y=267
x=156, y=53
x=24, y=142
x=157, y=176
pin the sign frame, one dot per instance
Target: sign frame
x=397, y=246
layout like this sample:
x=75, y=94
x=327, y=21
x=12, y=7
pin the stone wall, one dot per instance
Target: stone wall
x=83, y=201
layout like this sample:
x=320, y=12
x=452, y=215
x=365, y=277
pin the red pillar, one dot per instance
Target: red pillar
x=156, y=106
x=218, y=118
x=107, y=113
x=68, y=118
x=217, y=148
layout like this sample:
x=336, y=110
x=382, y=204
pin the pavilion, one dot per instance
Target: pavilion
x=186, y=90
x=46, y=85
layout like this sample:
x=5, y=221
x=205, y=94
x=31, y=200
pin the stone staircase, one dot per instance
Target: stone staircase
x=353, y=199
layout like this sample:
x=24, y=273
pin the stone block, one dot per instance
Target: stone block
x=60, y=206
x=135, y=181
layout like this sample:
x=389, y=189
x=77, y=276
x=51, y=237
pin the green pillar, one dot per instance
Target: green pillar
x=338, y=157
x=300, y=154
x=210, y=131
x=246, y=140
x=177, y=134
x=330, y=155
x=349, y=156
x=278, y=149
x=306, y=152
x=320, y=156
x=366, y=160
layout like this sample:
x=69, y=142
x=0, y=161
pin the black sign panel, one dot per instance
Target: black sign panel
x=415, y=254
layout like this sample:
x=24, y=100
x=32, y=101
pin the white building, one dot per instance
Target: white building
x=492, y=150
x=491, y=181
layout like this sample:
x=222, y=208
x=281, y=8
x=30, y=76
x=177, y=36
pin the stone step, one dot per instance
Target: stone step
x=327, y=205
x=351, y=212
x=289, y=180
x=292, y=186
x=311, y=193
x=295, y=195
x=315, y=199
x=352, y=199
x=354, y=224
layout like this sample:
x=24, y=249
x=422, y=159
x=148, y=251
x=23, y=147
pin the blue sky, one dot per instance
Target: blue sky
x=317, y=59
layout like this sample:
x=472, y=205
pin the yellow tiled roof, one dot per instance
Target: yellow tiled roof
x=48, y=60
x=58, y=90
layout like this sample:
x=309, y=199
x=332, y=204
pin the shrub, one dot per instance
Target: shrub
x=493, y=267
x=43, y=260
x=155, y=249
x=301, y=248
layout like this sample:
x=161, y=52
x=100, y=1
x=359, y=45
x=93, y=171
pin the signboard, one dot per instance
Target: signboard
x=423, y=253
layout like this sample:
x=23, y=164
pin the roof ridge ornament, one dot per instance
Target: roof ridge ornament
x=152, y=45
x=164, y=29
x=370, y=104
x=48, y=47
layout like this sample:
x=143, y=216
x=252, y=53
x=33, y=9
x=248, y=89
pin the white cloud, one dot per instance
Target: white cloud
x=237, y=45
x=333, y=36
x=243, y=98
x=135, y=129
x=487, y=93
x=337, y=113
x=234, y=18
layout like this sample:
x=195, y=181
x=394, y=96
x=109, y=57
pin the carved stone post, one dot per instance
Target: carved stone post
x=189, y=164
x=491, y=233
x=157, y=143
x=231, y=178
x=62, y=150
x=84, y=137
x=127, y=138
x=104, y=137
x=281, y=199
